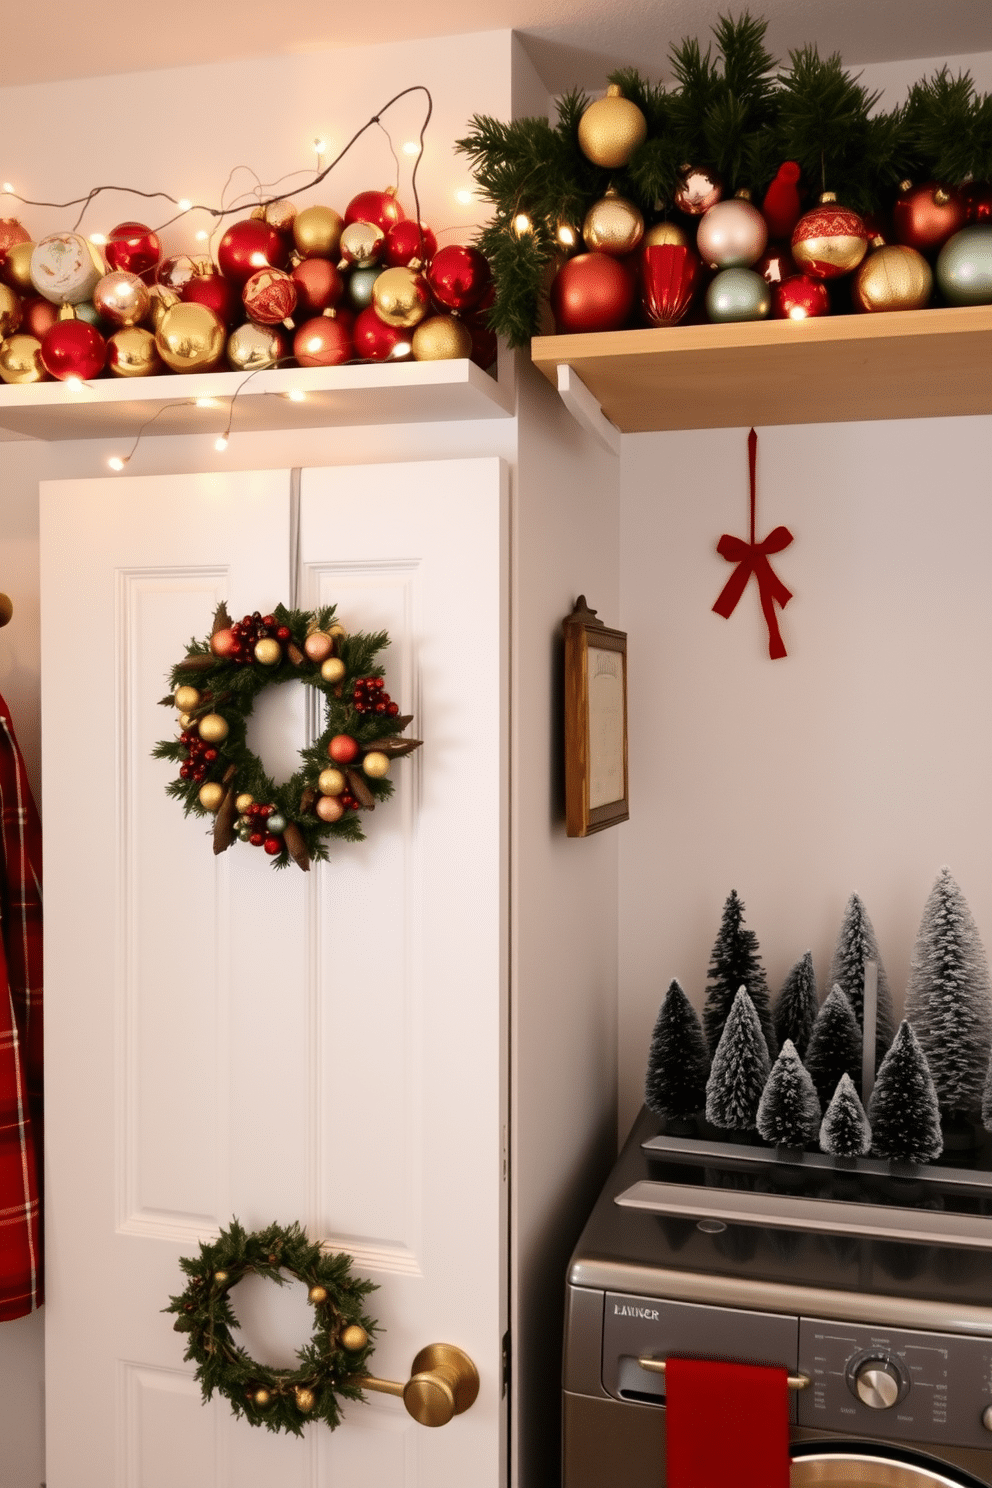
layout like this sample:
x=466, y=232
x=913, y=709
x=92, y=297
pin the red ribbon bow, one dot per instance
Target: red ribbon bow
x=752, y=558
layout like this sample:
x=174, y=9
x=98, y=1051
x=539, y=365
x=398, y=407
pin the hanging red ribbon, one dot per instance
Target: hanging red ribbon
x=752, y=558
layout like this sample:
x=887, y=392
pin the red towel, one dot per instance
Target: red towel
x=726, y=1423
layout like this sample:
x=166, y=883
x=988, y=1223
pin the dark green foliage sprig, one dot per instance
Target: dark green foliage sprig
x=207, y=1318
x=233, y=689
x=728, y=111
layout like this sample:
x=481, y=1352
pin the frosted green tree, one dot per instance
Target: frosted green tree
x=905, y=1120
x=789, y=1109
x=857, y=944
x=796, y=1005
x=845, y=1130
x=735, y=962
x=949, y=998
x=834, y=1047
x=740, y=1069
x=678, y=1062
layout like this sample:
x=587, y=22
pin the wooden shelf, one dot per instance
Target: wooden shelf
x=421, y=392
x=902, y=364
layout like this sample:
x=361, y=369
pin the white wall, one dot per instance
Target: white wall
x=861, y=762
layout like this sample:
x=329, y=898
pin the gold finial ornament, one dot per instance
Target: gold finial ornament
x=612, y=225
x=611, y=129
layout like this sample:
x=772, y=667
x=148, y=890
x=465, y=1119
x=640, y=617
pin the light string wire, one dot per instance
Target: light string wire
x=84, y=202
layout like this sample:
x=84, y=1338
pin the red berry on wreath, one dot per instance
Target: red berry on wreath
x=273, y=845
x=342, y=749
x=256, y=839
x=283, y=633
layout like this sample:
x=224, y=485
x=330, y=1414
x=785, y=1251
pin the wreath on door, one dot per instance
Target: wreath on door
x=342, y=775
x=331, y=1365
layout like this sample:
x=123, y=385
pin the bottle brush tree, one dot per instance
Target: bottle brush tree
x=678, y=1061
x=789, y=1109
x=857, y=944
x=796, y=1006
x=735, y=962
x=903, y=1111
x=834, y=1047
x=740, y=1069
x=845, y=1130
x=949, y=998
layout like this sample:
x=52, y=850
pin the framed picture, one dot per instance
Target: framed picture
x=595, y=723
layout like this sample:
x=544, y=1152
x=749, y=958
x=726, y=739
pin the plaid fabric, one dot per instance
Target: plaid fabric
x=20, y=1034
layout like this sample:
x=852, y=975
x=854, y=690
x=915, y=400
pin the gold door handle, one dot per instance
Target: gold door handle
x=443, y=1382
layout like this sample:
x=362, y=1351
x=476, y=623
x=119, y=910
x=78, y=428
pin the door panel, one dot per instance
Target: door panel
x=229, y=1040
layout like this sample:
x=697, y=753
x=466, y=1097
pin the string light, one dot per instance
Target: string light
x=411, y=148
x=220, y=443
x=184, y=204
x=295, y=395
x=464, y=196
x=8, y=188
x=522, y=224
x=202, y=235
x=98, y=239
x=566, y=235
x=117, y=462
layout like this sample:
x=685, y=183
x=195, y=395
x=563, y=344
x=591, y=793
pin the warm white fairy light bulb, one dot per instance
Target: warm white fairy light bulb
x=98, y=239
x=75, y=383
x=566, y=235
x=184, y=204
x=400, y=350
x=412, y=147
x=116, y=462
x=8, y=187
x=522, y=224
x=202, y=235
x=220, y=443
x=295, y=395
x=464, y=196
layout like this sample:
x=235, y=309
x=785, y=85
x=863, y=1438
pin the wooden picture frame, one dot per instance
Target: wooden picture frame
x=595, y=723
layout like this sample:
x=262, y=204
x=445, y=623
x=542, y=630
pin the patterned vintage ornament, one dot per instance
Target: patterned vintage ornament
x=611, y=129
x=269, y=296
x=892, y=277
x=64, y=269
x=830, y=240
x=964, y=266
x=613, y=225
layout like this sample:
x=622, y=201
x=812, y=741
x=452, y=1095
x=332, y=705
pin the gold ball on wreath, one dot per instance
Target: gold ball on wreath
x=186, y=697
x=611, y=129
x=354, y=1337
x=317, y=1294
x=331, y=782
x=304, y=1398
x=262, y=1398
x=214, y=728
x=333, y=669
x=243, y=801
x=268, y=651
x=376, y=764
x=211, y=795
x=220, y=1277
x=184, y=720
x=337, y=629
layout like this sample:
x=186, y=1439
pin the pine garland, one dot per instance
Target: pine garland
x=730, y=112
x=331, y=1364
x=230, y=689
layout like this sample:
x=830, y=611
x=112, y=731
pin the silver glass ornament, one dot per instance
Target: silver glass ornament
x=964, y=266
x=738, y=294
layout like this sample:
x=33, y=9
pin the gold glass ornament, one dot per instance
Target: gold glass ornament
x=611, y=129
x=666, y=234
x=161, y=299
x=186, y=697
x=262, y=1398
x=304, y=1398
x=893, y=278
x=20, y=360
x=184, y=720
x=333, y=669
x=220, y=1277
x=16, y=267
x=252, y=347
x=132, y=352
x=613, y=225
x=400, y=296
x=214, y=728
x=122, y=298
x=441, y=338
x=331, y=782
x=317, y=232
x=829, y=240
x=360, y=245
x=211, y=795
x=190, y=338
x=317, y=1294
x=268, y=651
x=243, y=801
x=354, y=1337
x=11, y=312
x=376, y=764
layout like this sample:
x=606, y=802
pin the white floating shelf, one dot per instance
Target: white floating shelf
x=408, y=393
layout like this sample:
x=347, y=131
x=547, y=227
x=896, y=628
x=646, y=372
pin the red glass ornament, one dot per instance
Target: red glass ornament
x=12, y=232
x=669, y=276
x=405, y=240
x=217, y=293
x=458, y=277
x=977, y=198
x=135, y=248
x=698, y=190
x=776, y=264
x=73, y=348
x=38, y=317
x=324, y=341
x=828, y=241
x=177, y=271
x=924, y=217
x=319, y=285
x=377, y=342
x=249, y=246
x=800, y=298
x=592, y=292
x=380, y=207
x=273, y=845
x=269, y=296
x=782, y=207
x=342, y=749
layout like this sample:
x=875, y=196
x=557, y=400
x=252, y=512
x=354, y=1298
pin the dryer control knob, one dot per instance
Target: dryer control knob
x=878, y=1384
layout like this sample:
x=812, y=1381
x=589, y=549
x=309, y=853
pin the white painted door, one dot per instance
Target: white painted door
x=225, y=1039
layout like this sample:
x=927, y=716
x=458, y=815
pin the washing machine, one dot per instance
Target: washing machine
x=872, y=1288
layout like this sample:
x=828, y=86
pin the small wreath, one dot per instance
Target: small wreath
x=331, y=1364
x=342, y=774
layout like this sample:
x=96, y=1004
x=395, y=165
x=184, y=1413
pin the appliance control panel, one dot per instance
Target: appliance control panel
x=891, y=1382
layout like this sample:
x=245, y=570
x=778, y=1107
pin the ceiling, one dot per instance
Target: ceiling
x=572, y=42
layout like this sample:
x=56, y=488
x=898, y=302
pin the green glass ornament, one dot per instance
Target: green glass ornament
x=964, y=266
x=360, y=282
x=738, y=294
